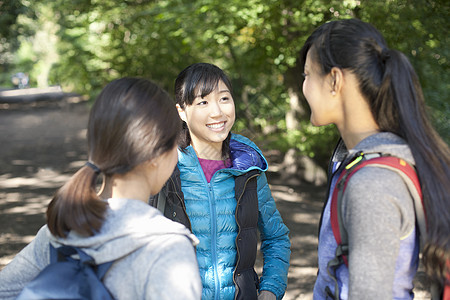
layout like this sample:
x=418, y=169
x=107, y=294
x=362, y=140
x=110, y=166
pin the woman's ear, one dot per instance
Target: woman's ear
x=337, y=80
x=181, y=113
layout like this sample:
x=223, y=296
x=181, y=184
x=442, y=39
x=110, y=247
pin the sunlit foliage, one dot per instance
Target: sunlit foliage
x=255, y=41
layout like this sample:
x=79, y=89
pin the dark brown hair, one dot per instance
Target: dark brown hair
x=132, y=121
x=391, y=87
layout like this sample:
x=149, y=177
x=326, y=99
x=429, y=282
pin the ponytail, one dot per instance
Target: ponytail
x=385, y=112
x=76, y=206
x=431, y=155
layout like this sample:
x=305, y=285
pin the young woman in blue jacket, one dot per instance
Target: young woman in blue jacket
x=219, y=190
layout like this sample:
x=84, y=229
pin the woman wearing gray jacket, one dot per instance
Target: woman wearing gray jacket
x=132, y=133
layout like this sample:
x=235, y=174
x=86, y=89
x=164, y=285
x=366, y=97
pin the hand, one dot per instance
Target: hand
x=266, y=295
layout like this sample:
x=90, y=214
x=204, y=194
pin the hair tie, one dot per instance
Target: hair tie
x=385, y=54
x=93, y=167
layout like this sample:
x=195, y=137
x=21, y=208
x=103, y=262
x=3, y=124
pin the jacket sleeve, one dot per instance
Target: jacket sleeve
x=25, y=266
x=275, y=244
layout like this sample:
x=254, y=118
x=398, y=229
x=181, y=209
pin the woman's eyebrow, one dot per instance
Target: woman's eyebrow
x=219, y=92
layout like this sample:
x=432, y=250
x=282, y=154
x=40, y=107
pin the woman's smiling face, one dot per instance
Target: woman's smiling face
x=210, y=118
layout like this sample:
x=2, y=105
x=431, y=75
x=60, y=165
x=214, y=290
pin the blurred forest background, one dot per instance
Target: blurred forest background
x=81, y=45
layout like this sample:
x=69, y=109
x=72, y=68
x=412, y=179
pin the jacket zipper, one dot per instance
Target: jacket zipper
x=212, y=210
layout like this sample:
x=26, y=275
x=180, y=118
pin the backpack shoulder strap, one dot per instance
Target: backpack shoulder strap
x=406, y=171
x=409, y=176
x=71, y=274
x=64, y=253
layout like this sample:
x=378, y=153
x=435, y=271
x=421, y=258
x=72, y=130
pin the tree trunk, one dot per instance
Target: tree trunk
x=248, y=115
x=297, y=167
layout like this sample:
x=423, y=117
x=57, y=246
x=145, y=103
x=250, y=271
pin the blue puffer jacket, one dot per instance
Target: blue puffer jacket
x=211, y=208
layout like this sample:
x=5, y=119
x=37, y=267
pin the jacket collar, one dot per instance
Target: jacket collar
x=245, y=156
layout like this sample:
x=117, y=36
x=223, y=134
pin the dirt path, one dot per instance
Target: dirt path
x=41, y=146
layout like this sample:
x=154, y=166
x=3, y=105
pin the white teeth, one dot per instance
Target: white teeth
x=215, y=126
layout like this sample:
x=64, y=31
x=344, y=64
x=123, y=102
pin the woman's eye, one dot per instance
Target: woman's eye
x=202, y=102
x=304, y=74
x=224, y=99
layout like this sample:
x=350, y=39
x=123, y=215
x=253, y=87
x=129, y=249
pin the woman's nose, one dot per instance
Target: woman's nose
x=216, y=110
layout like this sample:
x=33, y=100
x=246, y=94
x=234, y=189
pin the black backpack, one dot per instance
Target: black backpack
x=68, y=278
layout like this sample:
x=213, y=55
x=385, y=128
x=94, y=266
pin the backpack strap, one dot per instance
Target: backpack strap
x=71, y=274
x=409, y=176
x=64, y=253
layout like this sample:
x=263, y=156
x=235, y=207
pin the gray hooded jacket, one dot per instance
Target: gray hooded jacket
x=154, y=257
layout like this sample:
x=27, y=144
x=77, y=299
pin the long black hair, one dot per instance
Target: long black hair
x=391, y=87
x=199, y=78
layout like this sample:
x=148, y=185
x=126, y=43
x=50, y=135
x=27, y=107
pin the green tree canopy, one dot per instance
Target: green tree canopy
x=256, y=42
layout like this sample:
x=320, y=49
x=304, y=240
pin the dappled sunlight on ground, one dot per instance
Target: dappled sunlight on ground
x=28, y=204
x=300, y=206
x=304, y=218
x=22, y=198
x=13, y=238
x=44, y=178
x=41, y=147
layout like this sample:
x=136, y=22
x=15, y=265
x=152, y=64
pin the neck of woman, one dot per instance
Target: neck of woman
x=351, y=139
x=126, y=186
x=211, y=151
x=357, y=121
